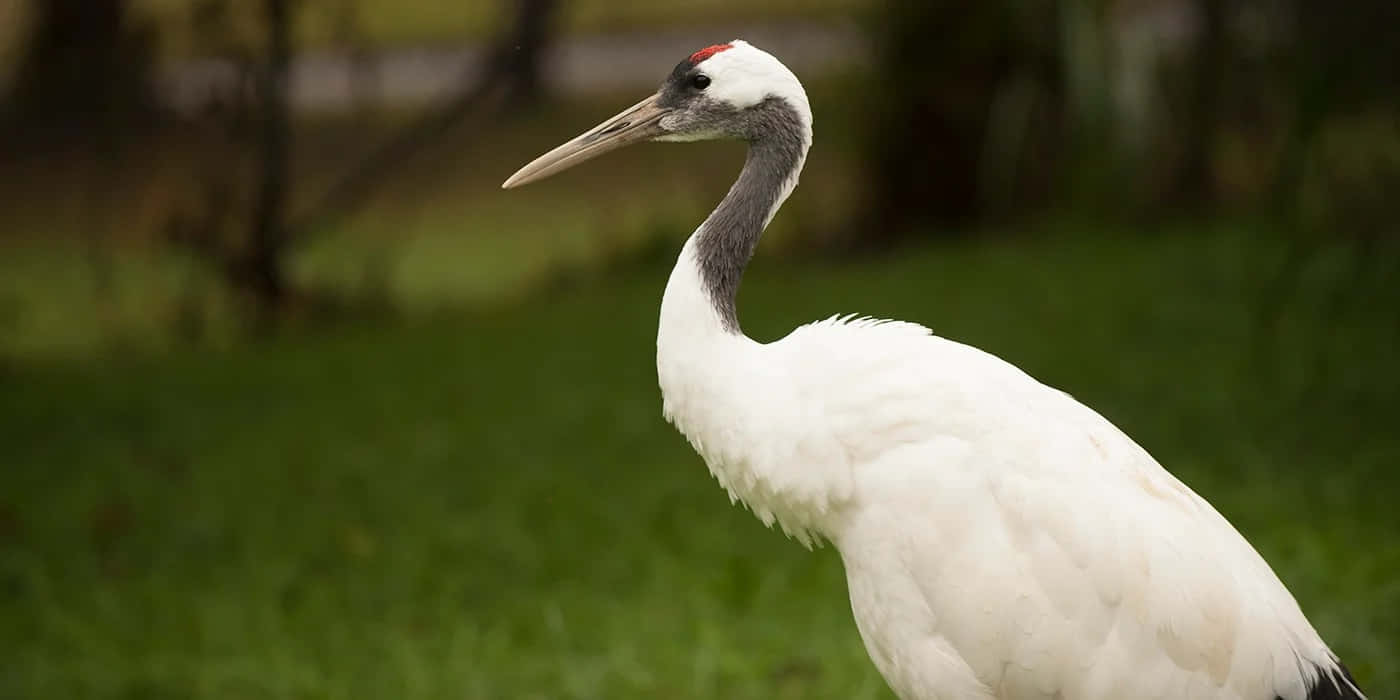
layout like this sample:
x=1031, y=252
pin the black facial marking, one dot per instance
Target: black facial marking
x=726, y=241
x=681, y=86
x=681, y=71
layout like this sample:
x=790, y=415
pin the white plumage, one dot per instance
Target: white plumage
x=1000, y=539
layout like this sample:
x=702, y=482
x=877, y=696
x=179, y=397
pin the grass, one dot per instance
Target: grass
x=490, y=506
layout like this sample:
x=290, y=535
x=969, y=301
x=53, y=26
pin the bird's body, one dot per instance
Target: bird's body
x=1001, y=540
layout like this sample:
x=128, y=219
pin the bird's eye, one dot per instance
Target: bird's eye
x=700, y=81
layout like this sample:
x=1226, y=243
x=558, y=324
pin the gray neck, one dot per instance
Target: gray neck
x=778, y=142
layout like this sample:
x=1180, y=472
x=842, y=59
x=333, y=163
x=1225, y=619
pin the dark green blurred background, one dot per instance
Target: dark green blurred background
x=295, y=402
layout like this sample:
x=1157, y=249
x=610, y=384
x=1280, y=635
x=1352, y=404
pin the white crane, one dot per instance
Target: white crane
x=1000, y=539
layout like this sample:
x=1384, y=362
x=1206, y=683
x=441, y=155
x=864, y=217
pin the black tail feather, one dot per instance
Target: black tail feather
x=1335, y=684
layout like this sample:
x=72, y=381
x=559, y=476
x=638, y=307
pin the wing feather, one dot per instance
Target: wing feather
x=1052, y=552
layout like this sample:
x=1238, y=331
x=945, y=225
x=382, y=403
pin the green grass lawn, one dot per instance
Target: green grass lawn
x=491, y=506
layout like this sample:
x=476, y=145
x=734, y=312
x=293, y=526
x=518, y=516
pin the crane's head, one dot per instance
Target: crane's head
x=731, y=90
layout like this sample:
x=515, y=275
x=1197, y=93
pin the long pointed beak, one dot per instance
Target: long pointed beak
x=640, y=122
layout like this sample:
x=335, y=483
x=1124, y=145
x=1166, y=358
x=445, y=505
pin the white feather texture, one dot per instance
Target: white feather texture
x=1000, y=539
x=745, y=75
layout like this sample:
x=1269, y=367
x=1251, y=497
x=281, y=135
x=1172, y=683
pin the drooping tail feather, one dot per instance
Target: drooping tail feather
x=1335, y=684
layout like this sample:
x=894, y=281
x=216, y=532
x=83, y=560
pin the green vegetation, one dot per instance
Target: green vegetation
x=82, y=268
x=491, y=506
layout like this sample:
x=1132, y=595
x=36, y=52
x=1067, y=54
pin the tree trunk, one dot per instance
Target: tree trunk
x=263, y=272
x=520, y=55
x=1194, y=182
x=83, y=74
x=941, y=65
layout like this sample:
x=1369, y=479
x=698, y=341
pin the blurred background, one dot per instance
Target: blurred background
x=295, y=402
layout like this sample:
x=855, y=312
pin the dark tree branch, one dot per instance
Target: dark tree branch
x=512, y=79
x=519, y=59
x=1193, y=185
x=342, y=199
x=263, y=273
x=82, y=77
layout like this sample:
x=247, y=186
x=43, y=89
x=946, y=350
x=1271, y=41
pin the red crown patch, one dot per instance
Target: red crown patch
x=708, y=51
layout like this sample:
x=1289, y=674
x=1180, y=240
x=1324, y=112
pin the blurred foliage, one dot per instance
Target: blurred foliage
x=438, y=235
x=992, y=109
x=965, y=92
x=1351, y=176
x=971, y=113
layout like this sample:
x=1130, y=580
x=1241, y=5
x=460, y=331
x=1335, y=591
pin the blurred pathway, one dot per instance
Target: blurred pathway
x=325, y=81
